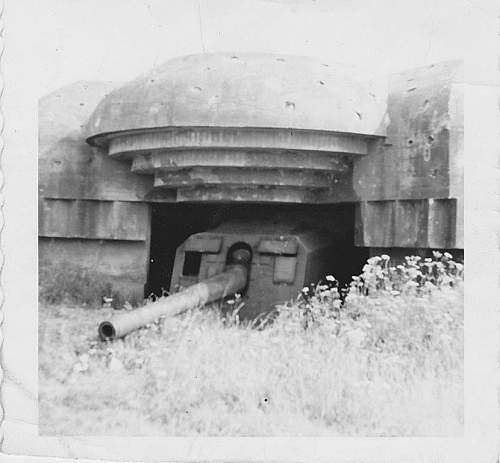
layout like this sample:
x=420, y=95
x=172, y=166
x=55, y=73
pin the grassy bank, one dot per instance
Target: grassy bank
x=389, y=361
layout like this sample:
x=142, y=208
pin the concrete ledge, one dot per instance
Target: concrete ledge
x=108, y=220
x=276, y=159
x=193, y=137
x=426, y=223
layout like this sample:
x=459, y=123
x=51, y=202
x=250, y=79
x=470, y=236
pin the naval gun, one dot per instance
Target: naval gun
x=233, y=279
x=268, y=262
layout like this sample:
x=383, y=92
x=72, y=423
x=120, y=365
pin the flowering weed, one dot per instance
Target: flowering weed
x=384, y=358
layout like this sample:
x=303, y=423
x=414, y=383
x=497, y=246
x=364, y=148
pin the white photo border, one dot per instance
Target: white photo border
x=19, y=101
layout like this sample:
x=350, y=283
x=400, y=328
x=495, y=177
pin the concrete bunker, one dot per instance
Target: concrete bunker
x=143, y=180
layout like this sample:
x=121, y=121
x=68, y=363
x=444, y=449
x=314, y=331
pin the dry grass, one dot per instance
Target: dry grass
x=387, y=363
x=69, y=284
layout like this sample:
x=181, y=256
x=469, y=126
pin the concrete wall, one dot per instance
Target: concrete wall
x=410, y=187
x=422, y=223
x=107, y=220
x=95, y=201
x=91, y=212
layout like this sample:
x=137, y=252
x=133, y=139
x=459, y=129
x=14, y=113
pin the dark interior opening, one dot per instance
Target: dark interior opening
x=192, y=262
x=172, y=224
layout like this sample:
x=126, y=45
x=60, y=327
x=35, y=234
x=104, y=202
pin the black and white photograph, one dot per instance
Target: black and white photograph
x=250, y=220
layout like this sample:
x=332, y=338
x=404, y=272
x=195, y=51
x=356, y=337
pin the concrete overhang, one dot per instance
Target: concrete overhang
x=252, y=90
x=255, y=127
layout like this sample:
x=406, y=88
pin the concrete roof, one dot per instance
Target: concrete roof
x=65, y=111
x=244, y=90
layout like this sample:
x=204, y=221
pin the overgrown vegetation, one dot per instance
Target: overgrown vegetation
x=388, y=360
x=67, y=283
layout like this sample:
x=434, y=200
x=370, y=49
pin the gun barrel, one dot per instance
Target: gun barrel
x=232, y=280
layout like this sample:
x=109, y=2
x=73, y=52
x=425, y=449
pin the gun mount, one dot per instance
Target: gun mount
x=231, y=280
x=268, y=263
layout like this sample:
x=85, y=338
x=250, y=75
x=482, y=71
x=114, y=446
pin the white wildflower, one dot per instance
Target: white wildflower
x=80, y=367
x=330, y=278
x=385, y=257
x=305, y=289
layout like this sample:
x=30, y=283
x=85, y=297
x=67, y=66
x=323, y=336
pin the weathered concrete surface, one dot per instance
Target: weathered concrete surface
x=90, y=213
x=456, y=108
x=65, y=111
x=69, y=167
x=123, y=264
x=423, y=223
x=223, y=164
x=245, y=90
x=232, y=176
x=248, y=105
x=424, y=138
x=421, y=160
x=341, y=191
x=72, y=169
x=251, y=159
x=112, y=220
x=183, y=160
x=192, y=137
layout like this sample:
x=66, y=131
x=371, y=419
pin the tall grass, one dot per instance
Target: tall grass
x=384, y=359
x=68, y=283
